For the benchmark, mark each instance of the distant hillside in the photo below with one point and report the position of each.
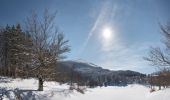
(91, 72)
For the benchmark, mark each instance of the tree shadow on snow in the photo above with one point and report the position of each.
(5, 80)
(27, 94)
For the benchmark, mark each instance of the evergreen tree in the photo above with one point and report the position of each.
(15, 48)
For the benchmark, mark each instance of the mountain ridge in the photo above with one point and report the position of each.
(89, 71)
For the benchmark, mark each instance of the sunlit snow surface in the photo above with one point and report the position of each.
(54, 91)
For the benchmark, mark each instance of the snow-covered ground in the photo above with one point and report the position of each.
(54, 91)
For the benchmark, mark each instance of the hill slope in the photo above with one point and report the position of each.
(89, 71)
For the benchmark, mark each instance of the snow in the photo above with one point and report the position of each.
(53, 91)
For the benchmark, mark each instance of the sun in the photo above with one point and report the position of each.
(107, 33)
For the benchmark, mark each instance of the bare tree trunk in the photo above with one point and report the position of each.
(159, 87)
(40, 85)
(9, 71)
(15, 72)
(152, 86)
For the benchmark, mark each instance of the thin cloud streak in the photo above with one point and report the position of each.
(98, 22)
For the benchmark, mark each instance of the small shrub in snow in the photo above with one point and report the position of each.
(81, 90)
(152, 90)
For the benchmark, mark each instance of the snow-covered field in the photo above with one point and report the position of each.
(54, 91)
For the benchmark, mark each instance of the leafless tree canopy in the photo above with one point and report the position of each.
(48, 45)
(160, 57)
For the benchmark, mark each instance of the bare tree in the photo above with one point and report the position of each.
(49, 45)
(160, 57)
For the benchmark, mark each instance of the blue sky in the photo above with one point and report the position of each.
(134, 26)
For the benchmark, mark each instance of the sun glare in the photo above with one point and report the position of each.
(107, 33)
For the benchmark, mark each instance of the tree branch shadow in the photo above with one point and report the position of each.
(31, 94)
(5, 80)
